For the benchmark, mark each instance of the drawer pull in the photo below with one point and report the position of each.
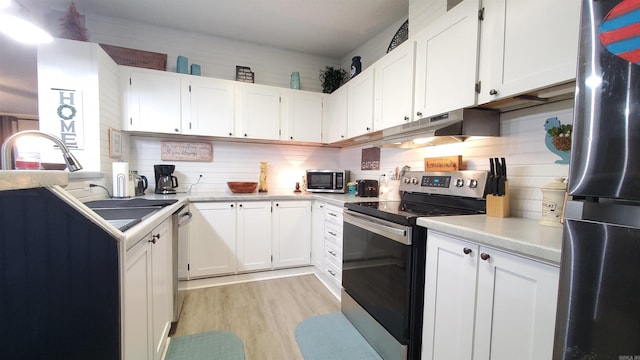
(332, 252)
(333, 214)
(332, 233)
(331, 272)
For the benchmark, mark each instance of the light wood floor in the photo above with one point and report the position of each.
(264, 314)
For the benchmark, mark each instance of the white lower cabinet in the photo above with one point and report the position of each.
(253, 248)
(329, 230)
(212, 234)
(317, 235)
(148, 307)
(482, 303)
(291, 241)
(235, 237)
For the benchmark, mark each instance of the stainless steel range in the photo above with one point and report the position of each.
(384, 256)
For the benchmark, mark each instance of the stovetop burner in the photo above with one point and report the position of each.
(430, 194)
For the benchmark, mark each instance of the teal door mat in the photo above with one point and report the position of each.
(332, 336)
(208, 345)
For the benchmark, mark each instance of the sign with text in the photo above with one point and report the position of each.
(444, 163)
(66, 105)
(186, 151)
(370, 159)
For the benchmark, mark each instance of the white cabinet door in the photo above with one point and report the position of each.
(258, 111)
(291, 233)
(317, 235)
(360, 96)
(486, 304)
(254, 235)
(137, 303)
(152, 100)
(162, 284)
(449, 298)
(301, 118)
(526, 45)
(336, 116)
(212, 236)
(394, 87)
(516, 307)
(208, 106)
(446, 61)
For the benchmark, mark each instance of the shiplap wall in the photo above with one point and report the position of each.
(217, 56)
(530, 164)
(235, 161)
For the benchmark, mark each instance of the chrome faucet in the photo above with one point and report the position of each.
(7, 159)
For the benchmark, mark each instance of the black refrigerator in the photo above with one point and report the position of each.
(598, 314)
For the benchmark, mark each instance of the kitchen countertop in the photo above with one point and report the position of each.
(522, 236)
(26, 179)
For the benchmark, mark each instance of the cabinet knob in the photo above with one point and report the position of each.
(231, 205)
(154, 238)
(368, 128)
(485, 256)
(419, 113)
(277, 204)
(493, 92)
(342, 136)
(466, 251)
(291, 137)
(245, 135)
(176, 130)
(240, 205)
(406, 118)
(230, 134)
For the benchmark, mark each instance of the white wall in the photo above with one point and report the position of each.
(530, 164)
(234, 161)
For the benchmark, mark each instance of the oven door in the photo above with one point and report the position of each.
(377, 270)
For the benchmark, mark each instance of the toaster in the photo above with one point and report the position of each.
(367, 188)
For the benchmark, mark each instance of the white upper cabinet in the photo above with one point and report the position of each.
(301, 116)
(335, 126)
(527, 45)
(360, 95)
(394, 75)
(208, 106)
(446, 61)
(257, 111)
(151, 100)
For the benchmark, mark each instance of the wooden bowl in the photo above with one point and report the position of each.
(241, 187)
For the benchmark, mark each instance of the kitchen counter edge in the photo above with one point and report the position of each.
(518, 235)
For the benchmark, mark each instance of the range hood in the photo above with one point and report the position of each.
(453, 126)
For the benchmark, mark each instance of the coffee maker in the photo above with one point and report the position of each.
(166, 183)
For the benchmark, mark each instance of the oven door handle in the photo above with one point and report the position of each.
(399, 233)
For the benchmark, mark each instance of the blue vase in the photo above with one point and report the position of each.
(295, 81)
(356, 66)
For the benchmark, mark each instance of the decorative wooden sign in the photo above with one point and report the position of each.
(370, 159)
(186, 151)
(445, 163)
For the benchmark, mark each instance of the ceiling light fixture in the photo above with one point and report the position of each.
(14, 24)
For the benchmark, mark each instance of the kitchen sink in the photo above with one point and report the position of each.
(125, 213)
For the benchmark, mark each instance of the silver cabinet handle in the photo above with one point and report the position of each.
(332, 252)
(332, 233)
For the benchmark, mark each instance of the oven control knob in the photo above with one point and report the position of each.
(473, 183)
(459, 182)
(414, 181)
(406, 180)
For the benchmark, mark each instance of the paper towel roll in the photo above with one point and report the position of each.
(120, 179)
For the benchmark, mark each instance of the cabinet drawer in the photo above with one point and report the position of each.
(332, 271)
(333, 214)
(333, 234)
(333, 253)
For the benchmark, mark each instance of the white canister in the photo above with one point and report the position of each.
(553, 202)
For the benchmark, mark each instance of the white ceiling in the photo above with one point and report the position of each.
(330, 28)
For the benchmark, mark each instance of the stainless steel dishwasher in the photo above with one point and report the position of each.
(181, 219)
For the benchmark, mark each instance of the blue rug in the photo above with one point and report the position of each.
(332, 336)
(210, 345)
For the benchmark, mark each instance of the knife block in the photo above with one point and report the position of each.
(498, 206)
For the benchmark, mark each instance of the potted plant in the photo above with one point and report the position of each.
(332, 78)
(561, 136)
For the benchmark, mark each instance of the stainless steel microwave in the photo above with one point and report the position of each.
(330, 181)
